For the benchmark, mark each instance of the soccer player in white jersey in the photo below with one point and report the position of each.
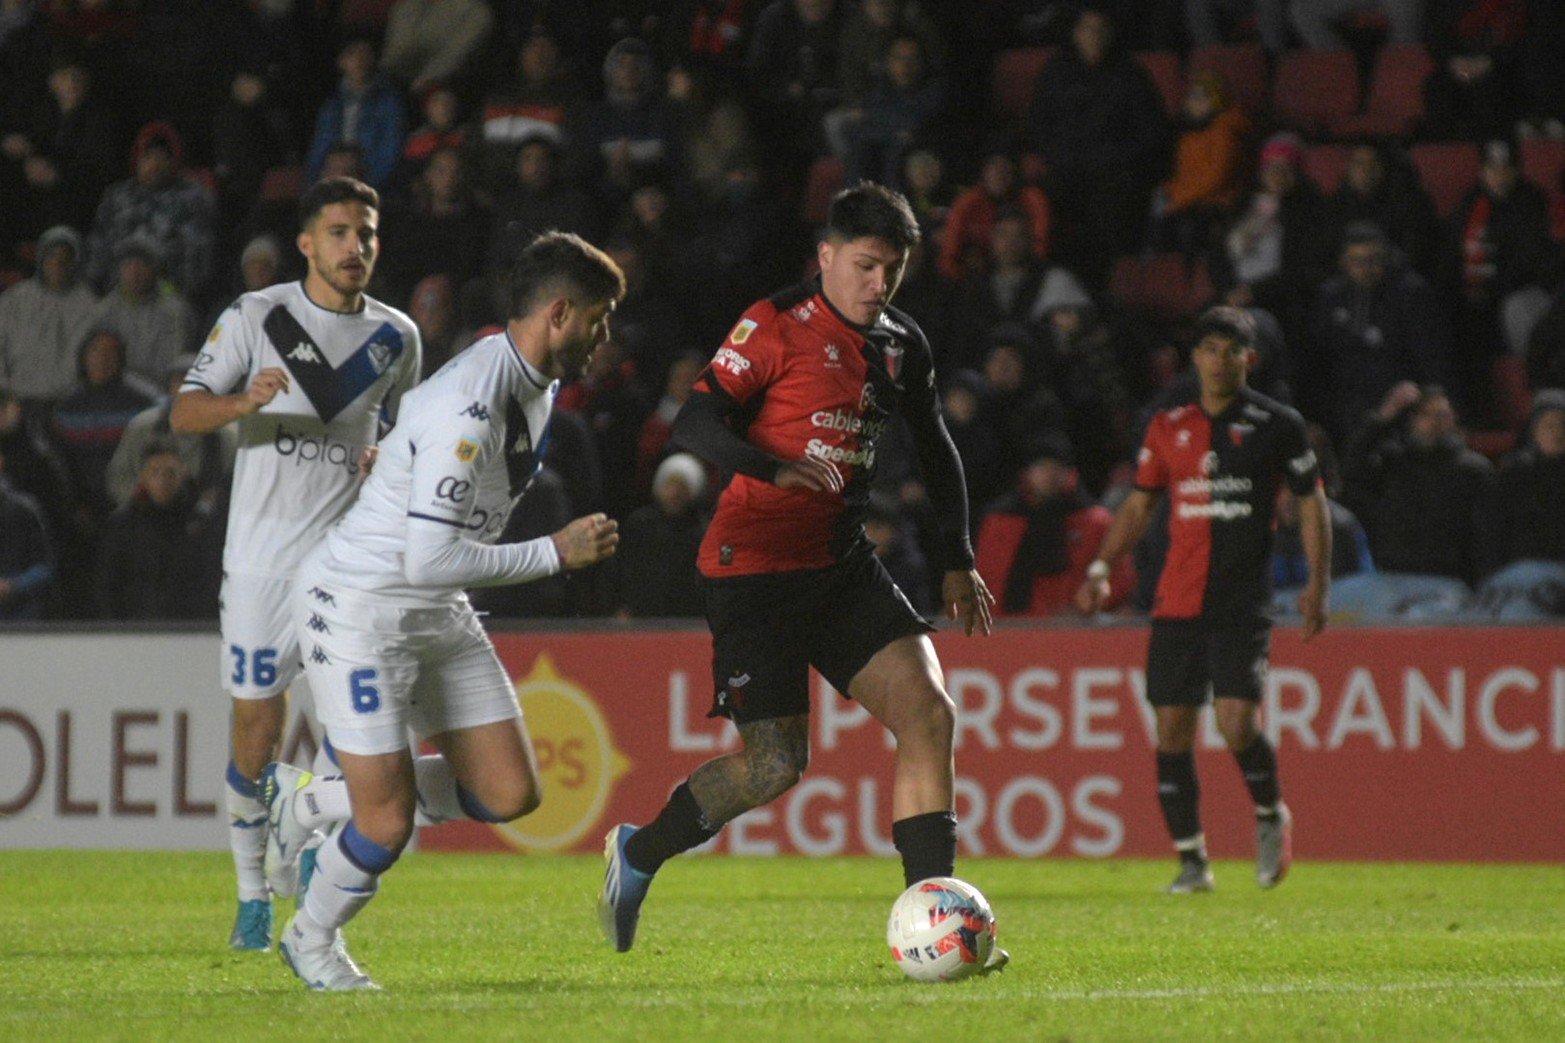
(389, 638)
(309, 370)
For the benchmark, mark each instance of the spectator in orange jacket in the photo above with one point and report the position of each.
(1034, 544)
(1210, 167)
(966, 244)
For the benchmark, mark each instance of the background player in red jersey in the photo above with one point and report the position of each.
(1220, 461)
(792, 407)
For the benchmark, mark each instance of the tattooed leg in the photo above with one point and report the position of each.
(774, 756)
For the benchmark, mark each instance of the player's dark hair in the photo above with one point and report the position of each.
(874, 211)
(1228, 322)
(331, 190)
(562, 264)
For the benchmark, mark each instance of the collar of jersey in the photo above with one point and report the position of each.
(364, 303)
(534, 376)
(828, 308)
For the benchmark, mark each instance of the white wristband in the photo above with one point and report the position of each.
(1099, 569)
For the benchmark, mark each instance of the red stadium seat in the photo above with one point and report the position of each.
(1395, 103)
(1011, 81)
(826, 175)
(282, 184)
(1543, 162)
(1243, 66)
(1448, 169)
(1167, 72)
(1325, 165)
(1314, 89)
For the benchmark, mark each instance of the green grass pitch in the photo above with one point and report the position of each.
(122, 945)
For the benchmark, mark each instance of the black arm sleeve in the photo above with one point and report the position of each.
(702, 428)
(938, 461)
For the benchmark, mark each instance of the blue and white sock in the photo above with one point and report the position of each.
(246, 833)
(347, 875)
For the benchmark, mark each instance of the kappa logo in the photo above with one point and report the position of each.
(324, 597)
(318, 624)
(833, 357)
(305, 352)
(478, 411)
(319, 656)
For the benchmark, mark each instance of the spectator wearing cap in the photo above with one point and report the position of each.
(1210, 165)
(1374, 324)
(149, 563)
(161, 202)
(1532, 486)
(1035, 543)
(970, 223)
(155, 321)
(632, 134)
(434, 41)
(208, 459)
(43, 321)
(658, 545)
(260, 264)
(364, 111)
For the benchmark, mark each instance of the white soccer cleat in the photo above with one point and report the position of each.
(324, 966)
(285, 834)
(1273, 847)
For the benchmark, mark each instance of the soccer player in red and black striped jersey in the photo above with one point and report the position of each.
(1220, 460)
(793, 407)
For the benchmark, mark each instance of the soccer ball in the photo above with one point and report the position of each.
(941, 929)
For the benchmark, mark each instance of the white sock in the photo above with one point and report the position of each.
(247, 840)
(322, 802)
(436, 785)
(337, 892)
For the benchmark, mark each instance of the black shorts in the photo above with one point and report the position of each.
(1187, 656)
(769, 629)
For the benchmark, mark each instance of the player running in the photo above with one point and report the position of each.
(309, 370)
(793, 406)
(390, 639)
(1220, 460)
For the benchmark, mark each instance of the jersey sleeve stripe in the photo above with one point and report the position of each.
(195, 383)
(442, 521)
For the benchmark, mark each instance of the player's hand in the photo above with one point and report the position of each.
(267, 385)
(1312, 606)
(1092, 595)
(809, 472)
(367, 457)
(968, 599)
(586, 541)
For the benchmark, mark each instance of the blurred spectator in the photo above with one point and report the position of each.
(33, 464)
(1545, 344)
(714, 130)
(56, 163)
(344, 159)
(1380, 186)
(1316, 20)
(88, 422)
(791, 69)
(434, 41)
(435, 232)
(1426, 500)
(659, 425)
(208, 459)
(364, 110)
(1478, 87)
(156, 323)
(26, 558)
(898, 112)
(658, 545)
(146, 565)
(1203, 18)
(43, 320)
(1018, 402)
(1210, 166)
(1100, 125)
(711, 31)
(869, 32)
(1496, 244)
(1532, 486)
(1349, 542)
(1005, 289)
(250, 135)
(432, 306)
(1375, 324)
(163, 203)
(631, 133)
(1277, 252)
(652, 327)
(1035, 543)
(608, 398)
(732, 255)
(966, 243)
(971, 423)
(896, 545)
(260, 264)
(535, 105)
(441, 128)
(923, 181)
(539, 200)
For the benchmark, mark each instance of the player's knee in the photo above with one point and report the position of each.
(772, 773)
(389, 826)
(929, 719)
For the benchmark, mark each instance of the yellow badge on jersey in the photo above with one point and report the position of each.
(217, 331)
(742, 331)
(466, 451)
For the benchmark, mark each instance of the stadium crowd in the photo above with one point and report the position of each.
(1384, 183)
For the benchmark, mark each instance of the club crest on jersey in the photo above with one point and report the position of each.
(742, 331)
(380, 355)
(1209, 463)
(891, 356)
(1239, 432)
(466, 451)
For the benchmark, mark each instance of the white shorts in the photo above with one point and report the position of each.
(260, 655)
(377, 670)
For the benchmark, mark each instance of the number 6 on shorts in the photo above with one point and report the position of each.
(366, 697)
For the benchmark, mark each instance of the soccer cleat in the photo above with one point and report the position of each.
(1273, 847)
(624, 889)
(997, 960)
(252, 926)
(285, 834)
(1193, 877)
(324, 966)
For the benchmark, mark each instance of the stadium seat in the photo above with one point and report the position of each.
(282, 184)
(1314, 89)
(1164, 286)
(1243, 65)
(826, 175)
(1325, 165)
(1011, 81)
(1395, 102)
(1543, 162)
(1167, 72)
(1448, 169)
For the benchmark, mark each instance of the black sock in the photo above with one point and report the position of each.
(1179, 792)
(678, 827)
(1258, 761)
(927, 844)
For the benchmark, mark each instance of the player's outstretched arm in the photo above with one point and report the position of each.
(1315, 534)
(966, 597)
(1130, 521)
(199, 412)
(586, 541)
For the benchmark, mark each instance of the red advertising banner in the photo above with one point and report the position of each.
(1437, 743)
